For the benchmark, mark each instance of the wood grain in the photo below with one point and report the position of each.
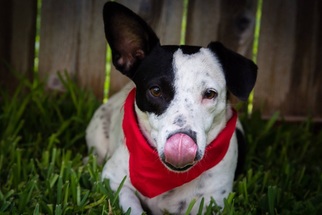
(72, 40)
(289, 59)
(202, 22)
(228, 21)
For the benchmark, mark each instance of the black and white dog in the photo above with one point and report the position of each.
(173, 133)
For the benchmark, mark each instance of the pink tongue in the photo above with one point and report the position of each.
(180, 150)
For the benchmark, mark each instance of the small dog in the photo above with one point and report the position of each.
(173, 134)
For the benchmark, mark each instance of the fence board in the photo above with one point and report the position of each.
(289, 59)
(237, 24)
(58, 44)
(202, 29)
(17, 30)
(168, 27)
(92, 51)
(165, 18)
(72, 40)
(229, 21)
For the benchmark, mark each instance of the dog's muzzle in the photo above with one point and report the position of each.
(180, 152)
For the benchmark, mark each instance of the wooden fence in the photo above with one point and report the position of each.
(72, 39)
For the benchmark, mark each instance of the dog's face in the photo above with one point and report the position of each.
(181, 90)
(181, 103)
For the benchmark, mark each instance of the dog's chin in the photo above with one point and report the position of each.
(178, 169)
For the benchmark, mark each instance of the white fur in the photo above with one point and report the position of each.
(193, 75)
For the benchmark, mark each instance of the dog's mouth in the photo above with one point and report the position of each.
(180, 152)
(178, 169)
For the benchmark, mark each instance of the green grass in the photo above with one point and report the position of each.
(42, 144)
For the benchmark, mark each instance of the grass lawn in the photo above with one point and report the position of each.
(42, 145)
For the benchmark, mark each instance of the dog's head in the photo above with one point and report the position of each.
(181, 98)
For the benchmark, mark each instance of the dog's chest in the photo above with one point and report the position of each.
(211, 184)
(177, 200)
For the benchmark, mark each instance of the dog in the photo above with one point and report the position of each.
(171, 133)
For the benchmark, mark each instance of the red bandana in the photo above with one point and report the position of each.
(147, 172)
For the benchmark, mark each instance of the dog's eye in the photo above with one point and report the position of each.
(155, 91)
(210, 94)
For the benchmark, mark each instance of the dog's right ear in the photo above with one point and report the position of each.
(240, 72)
(129, 37)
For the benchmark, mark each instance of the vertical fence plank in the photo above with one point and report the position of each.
(276, 45)
(237, 25)
(17, 30)
(164, 17)
(71, 40)
(92, 47)
(58, 40)
(202, 22)
(229, 21)
(168, 27)
(289, 59)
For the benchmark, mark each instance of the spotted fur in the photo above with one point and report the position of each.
(185, 76)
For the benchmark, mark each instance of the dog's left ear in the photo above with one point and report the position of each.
(131, 39)
(240, 72)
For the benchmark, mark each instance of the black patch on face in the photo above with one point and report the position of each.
(156, 70)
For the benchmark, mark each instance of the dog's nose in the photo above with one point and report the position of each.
(180, 151)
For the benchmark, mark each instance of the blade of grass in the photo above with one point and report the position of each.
(36, 211)
(191, 204)
(271, 194)
(118, 191)
(201, 206)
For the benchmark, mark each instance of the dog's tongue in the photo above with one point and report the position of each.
(180, 150)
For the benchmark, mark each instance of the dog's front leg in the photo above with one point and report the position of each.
(128, 199)
(115, 169)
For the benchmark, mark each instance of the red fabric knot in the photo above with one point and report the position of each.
(147, 172)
